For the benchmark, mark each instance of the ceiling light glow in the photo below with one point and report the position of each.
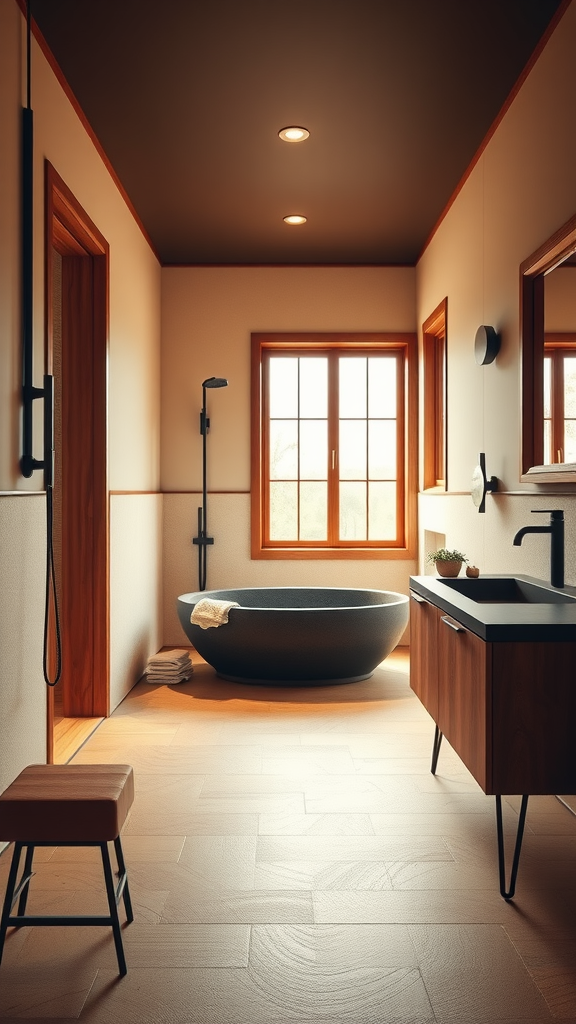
(293, 133)
(295, 218)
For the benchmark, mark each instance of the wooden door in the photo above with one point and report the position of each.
(82, 455)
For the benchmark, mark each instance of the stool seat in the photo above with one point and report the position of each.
(67, 803)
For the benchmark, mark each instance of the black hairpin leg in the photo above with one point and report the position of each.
(436, 750)
(516, 859)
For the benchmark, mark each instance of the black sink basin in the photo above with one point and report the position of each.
(506, 590)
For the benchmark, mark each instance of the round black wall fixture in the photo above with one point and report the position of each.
(486, 345)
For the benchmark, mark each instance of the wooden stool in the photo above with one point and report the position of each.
(67, 805)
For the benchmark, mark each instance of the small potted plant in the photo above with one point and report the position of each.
(448, 563)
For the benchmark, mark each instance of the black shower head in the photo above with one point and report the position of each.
(215, 382)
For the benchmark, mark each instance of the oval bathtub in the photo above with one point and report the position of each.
(298, 635)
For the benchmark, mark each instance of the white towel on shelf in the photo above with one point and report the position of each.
(210, 612)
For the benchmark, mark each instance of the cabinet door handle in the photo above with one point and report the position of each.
(417, 598)
(453, 625)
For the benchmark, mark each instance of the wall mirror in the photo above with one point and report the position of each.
(548, 351)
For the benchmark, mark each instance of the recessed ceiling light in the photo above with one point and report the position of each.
(294, 134)
(295, 218)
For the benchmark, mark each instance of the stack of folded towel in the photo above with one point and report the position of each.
(169, 667)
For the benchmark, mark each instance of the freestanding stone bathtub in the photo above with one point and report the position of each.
(298, 635)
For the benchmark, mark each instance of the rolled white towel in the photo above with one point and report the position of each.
(210, 612)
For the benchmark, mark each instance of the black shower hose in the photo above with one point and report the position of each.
(51, 588)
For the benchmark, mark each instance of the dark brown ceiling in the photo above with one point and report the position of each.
(187, 97)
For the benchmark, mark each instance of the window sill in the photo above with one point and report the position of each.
(334, 554)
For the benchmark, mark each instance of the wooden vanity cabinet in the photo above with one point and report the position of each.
(464, 692)
(423, 652)
(508, 709)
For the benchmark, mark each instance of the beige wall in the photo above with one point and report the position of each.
(208, 315)
(134, 401)
(522, 189)
(22, 689)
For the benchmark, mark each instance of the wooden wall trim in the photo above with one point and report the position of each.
(289, 266)
(162, 493)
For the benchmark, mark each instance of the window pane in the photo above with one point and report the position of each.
(283, 511)
(547, 442)
(569, 387)
(352, 386)
(352, 511)
(313, 511)
(352, 449)
(382, 449)
(313, 449)
(381, 511)
(547, 387)
(283, 386)
(314, 387)
(284, 450)
(382, 386)
(569, 441)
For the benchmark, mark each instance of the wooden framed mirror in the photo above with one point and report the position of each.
(548, 359)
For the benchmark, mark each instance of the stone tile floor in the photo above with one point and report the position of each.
(291, 859)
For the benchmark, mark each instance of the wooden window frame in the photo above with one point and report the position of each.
(434, 337)
(363, 343)
(556, 346)
(532, 273)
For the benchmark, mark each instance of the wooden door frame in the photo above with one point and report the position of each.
(85, 253)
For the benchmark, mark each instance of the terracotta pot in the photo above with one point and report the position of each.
(448, 568)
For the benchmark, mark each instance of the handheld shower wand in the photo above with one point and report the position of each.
(202, 540)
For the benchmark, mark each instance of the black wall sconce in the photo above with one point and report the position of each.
(202, 540)
(486, 345)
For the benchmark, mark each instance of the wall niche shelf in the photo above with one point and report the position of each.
(557, 473)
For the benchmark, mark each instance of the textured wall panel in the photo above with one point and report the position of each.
(22, 688)
(487, 539)
(135, 587)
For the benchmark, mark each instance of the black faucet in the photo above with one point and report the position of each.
(556, 531)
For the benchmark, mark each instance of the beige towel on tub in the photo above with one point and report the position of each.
(210, 612)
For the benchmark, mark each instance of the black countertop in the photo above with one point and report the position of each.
(506, 622)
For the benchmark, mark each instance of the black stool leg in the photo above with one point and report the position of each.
(115, 920)
(26, 875)
(123, 880)
(9, 897)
